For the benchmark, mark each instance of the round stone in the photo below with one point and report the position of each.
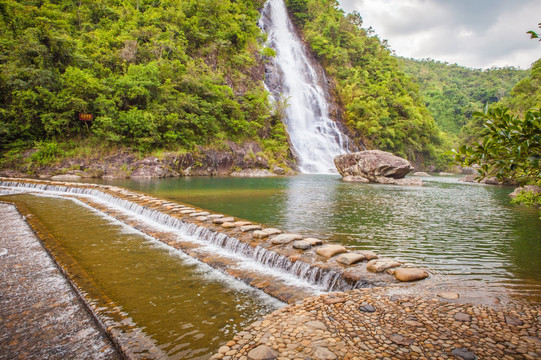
(410, 274)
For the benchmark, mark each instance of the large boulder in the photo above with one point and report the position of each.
(374, 165)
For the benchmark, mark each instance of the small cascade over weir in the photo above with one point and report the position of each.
(294, 274)
(292, 75)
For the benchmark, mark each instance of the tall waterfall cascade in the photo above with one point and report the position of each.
(291, 75)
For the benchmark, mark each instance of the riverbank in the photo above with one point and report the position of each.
(41, 315)
(380, 324)
(246, 159)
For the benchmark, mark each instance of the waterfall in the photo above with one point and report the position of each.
(315, 137)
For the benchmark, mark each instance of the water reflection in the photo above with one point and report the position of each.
(450, 227)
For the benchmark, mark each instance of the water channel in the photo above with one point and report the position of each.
(469, 231)
(177, 307)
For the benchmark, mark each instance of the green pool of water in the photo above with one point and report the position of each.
(186, 308)
(467, 230)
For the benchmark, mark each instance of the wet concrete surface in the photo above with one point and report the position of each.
(41, 316)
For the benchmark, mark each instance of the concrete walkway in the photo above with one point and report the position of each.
(40, 315)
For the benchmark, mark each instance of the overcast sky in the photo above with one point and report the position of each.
(472, 33)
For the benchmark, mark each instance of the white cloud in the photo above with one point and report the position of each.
(473, 33)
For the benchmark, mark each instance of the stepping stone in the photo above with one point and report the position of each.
(202, 213)
(187, 211)
(285, 238)
(228, 225)
(350, 258)
(266, 233)
(242, 223)
(223, 220)
(201, 218)
(250, 228)
(330, 250)
(410, 274)
(368, 255)
(302, 245)
(215, 216)
(380, 265)
(314, 241)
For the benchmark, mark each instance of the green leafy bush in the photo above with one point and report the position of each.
(510, 147)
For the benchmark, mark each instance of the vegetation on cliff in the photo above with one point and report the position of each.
(381, 104)
(154, 74)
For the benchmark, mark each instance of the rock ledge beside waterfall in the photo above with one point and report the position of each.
(375, 166)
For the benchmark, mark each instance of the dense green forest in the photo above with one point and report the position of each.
(179, 74)
(155, 74)
(453, 93)
(382, 105)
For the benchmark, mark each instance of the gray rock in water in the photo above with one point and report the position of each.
(314, 241)
(372, 164)
(302, 245)
(262, 352)
(530, 188)
(420, 173)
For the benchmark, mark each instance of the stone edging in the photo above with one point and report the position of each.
(348, 267)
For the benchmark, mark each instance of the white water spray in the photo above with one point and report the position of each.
(315, 138)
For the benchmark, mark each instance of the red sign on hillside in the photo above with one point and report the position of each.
(86, 117)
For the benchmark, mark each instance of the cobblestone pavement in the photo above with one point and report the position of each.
(373, 324)
(40, 315)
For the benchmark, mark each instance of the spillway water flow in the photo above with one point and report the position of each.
(298, 274)
(315, 137)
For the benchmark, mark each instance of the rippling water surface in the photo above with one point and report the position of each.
(450, 227)
(186, 309)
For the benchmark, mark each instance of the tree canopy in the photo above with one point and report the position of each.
(153, 73)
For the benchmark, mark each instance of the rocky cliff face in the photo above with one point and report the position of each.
(241, 160)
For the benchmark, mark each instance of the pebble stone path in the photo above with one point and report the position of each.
(373, 324)
(40, 315)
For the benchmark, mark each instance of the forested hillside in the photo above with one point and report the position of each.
(382, 105)
(452, 92)
(154, 74)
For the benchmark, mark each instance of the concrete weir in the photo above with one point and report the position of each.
(285, 266)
